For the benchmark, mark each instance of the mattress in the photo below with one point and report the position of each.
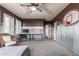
(13, 50)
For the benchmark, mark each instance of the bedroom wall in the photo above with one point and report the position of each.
(32, 22)
(35, 26)
(67, 36)
(41, 23)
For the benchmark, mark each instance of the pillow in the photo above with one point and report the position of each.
(8, 41)
(2, 43)
(7, 38)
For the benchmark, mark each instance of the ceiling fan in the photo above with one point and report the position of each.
(34, 6)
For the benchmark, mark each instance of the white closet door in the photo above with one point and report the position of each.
(76, 39)
(58, 35)
(55, 31)
(63, 39)
(69, 37)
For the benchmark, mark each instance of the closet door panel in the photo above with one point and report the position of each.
(76, 39)
(69, 37)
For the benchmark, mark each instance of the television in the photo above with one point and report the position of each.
(25, 31)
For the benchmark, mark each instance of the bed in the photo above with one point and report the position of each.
(15, 51)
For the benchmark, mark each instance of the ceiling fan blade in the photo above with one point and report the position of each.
(39, 9)
(44, 8)
(25, 5)
(34, 4)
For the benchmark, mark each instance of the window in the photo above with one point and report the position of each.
(12, 26)
(8, 24)
(18, 27)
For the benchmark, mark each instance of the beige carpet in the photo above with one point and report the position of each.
(46, 48)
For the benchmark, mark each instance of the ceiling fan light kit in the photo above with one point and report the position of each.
(33, 6)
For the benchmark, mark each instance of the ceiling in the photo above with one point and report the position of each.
(50, 10)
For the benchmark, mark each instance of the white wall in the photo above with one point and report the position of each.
(34, 29)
